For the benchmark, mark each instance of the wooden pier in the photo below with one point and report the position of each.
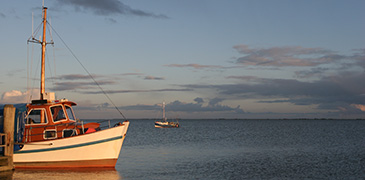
(7, 139)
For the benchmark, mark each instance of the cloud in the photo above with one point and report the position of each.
(2, 15)
(107, 8)
(90, 107)
(79, 81)
(215, 101)
(132, 74)
(135, 91)
(102, 106)
(313, 72)
(199, 100)
(143, 76)
(111, 20)
(359, 55)
(154, 78)
(327, 81)
(83, 83)
(66, 86)
(15, 96)
(285, 56)
(195, 66)
(352, 65)
(75, 77)
(198, 107)
(245, 78)
(330, 92)
(359, 106)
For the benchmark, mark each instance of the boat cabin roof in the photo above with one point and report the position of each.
(43, 112)
(49, 103)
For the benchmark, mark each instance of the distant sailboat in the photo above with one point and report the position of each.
(164, 123)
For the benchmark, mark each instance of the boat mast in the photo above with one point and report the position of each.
(163, 111)
(44, 43)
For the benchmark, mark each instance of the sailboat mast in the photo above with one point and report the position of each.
(163, 111)
(42, 88)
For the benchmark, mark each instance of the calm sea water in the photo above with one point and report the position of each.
(234, 149)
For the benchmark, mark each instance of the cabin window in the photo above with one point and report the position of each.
(58, 113)
(50, 134)
(69, 132)
(37, 116)
(69, 112)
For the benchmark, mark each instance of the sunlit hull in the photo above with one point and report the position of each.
(161, 124)
(99, 149)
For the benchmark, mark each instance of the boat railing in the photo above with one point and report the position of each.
(104, 124)
(55, 125)
(74, 125)
(107, 123)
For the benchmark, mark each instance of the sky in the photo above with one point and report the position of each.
(206, 59)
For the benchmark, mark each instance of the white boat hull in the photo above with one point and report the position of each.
(160, 124)
(98, 149)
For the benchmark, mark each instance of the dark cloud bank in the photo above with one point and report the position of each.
(107, 8)
(328, 80)
(178, 106)
(324, 79)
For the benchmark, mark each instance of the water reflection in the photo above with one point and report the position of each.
(111, 174)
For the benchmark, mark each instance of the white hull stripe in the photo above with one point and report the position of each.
(69, 147)
(164, 125)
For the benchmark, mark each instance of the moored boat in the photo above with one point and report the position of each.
(54, 139)
(50, 136)
(164, 123)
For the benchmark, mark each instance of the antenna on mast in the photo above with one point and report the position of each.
(32, 24)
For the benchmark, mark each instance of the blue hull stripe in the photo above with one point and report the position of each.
(69, 147)
(163, 125)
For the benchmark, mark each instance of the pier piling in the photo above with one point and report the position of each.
(6, 161)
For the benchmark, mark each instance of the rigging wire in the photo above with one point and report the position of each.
(50, 72)
(28, 92)
(34, 40)
(73, 54)
(54, 55)
(48, 59)
(30, 74)
(36, 72)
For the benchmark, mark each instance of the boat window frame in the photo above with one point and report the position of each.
(63, 109)
(45, 115)
(72, 113)
(50, 130)
(74, 131)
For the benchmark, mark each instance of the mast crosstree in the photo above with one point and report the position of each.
(43, 42)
